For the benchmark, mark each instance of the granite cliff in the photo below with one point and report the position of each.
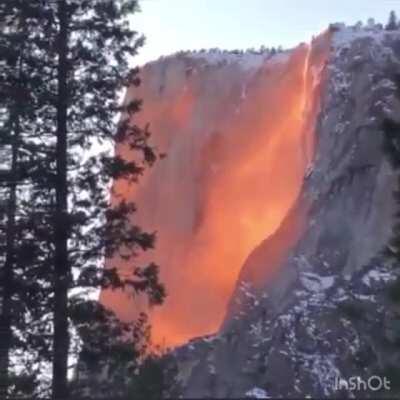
(306, 300)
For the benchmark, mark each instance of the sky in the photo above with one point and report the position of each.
(173, 25)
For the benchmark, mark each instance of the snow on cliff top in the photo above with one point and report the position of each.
(344, 35)
(247, 60)
(253, 59)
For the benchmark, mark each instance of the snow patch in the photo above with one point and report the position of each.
(257, 393)
(324, 369)
(347, 34)
(376, 276)
(316, 283)
(247, 60)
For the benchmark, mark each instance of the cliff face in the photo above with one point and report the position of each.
(238, 133)
(325, 314)
(272, 208)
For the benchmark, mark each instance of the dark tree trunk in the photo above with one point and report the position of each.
(7, 272)
(62, 267)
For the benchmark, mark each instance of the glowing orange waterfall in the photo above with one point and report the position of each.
(238, 143)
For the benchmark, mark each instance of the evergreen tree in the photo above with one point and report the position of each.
(10, 133)
(93, 46)
(19, 91)
(392, 23)
(109, 352)
(150, 381)
(77, 65)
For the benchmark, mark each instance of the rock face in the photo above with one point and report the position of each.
(238, 131)
(325, 315)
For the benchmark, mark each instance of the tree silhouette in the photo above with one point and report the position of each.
(392, 23)
(76, 64)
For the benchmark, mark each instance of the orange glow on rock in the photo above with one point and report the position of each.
(238, 145)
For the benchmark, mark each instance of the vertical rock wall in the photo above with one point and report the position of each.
(238, 133)
(325, 315)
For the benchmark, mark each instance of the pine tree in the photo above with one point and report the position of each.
(151, 380)
(78, 63)
(93, 45)
(10, 129)
(17, 77)
(392, 23)
(62, 268)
